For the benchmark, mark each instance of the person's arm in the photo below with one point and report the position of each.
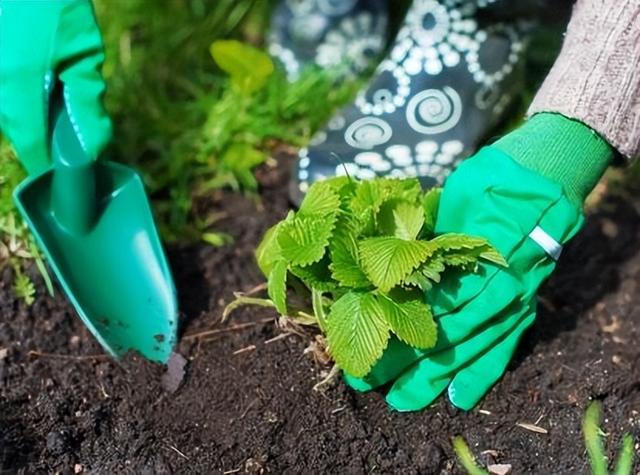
(525, 194)
(596, 77)
(588, 107)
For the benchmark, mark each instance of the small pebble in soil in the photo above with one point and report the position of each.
(499, 469)
(58, 442)
(74, 341)
(254, 466)
(172, 379)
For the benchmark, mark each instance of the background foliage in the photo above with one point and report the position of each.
(180, 121)
(178, 117)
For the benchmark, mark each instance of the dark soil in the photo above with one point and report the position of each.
(64, 410)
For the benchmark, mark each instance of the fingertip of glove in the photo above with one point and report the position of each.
(357, 384)
(398, 402)
(459, 397)
(407, 399)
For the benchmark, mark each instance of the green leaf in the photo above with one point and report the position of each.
(465, 260)
(240, 159)
(277, 286)
(428, 273)
(387, 261)
(400, 219)
(430, 204)
(408, 220)
(463, 251)
(268, 251)
(410, 318)
(459, 250)
(217, 239)
(322, 198)
(416, 279)
(303, 239)
(357, 332)
(407, 189)
(491, 254)
(345, 187)
(345, 260)
(372, 194)
(455, 241)
(433, 268)
(24, 288)
(316, 275)
(247, 66)
(366, 203)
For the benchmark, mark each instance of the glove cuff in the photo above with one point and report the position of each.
(561, 149)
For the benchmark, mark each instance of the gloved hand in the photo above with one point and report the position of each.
(525, 195)
(43, 42)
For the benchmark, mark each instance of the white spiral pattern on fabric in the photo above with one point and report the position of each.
(368, 132)
(434, 111)
(388, 99)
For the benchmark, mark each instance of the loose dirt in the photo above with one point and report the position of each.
(63, 409)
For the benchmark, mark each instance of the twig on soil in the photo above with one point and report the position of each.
(532, 427)
(233, 328)
(282, 336)
(256, 289)
(178, 452)
(41, 354)
(229, 472)
(287, 325)
(104, 391)
(244, 350)
(246, 411)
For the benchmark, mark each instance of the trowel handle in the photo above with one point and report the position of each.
(73, 188)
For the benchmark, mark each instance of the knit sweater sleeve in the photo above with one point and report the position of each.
(596, 77)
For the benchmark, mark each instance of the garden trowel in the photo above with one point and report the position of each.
(93, 222)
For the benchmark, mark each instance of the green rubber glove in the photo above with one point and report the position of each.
(43, 42)
(527, 216)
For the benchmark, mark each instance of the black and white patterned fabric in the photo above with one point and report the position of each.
(347, 36)
(443, 86)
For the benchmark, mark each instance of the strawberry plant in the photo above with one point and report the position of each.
(363, 254)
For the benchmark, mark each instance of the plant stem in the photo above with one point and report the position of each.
(466, 458)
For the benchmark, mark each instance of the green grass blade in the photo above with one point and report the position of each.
(624, 466)
(42, 268)
(466, 458)
(593, 441)
(318, 308)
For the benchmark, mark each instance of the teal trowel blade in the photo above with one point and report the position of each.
(115, 274)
